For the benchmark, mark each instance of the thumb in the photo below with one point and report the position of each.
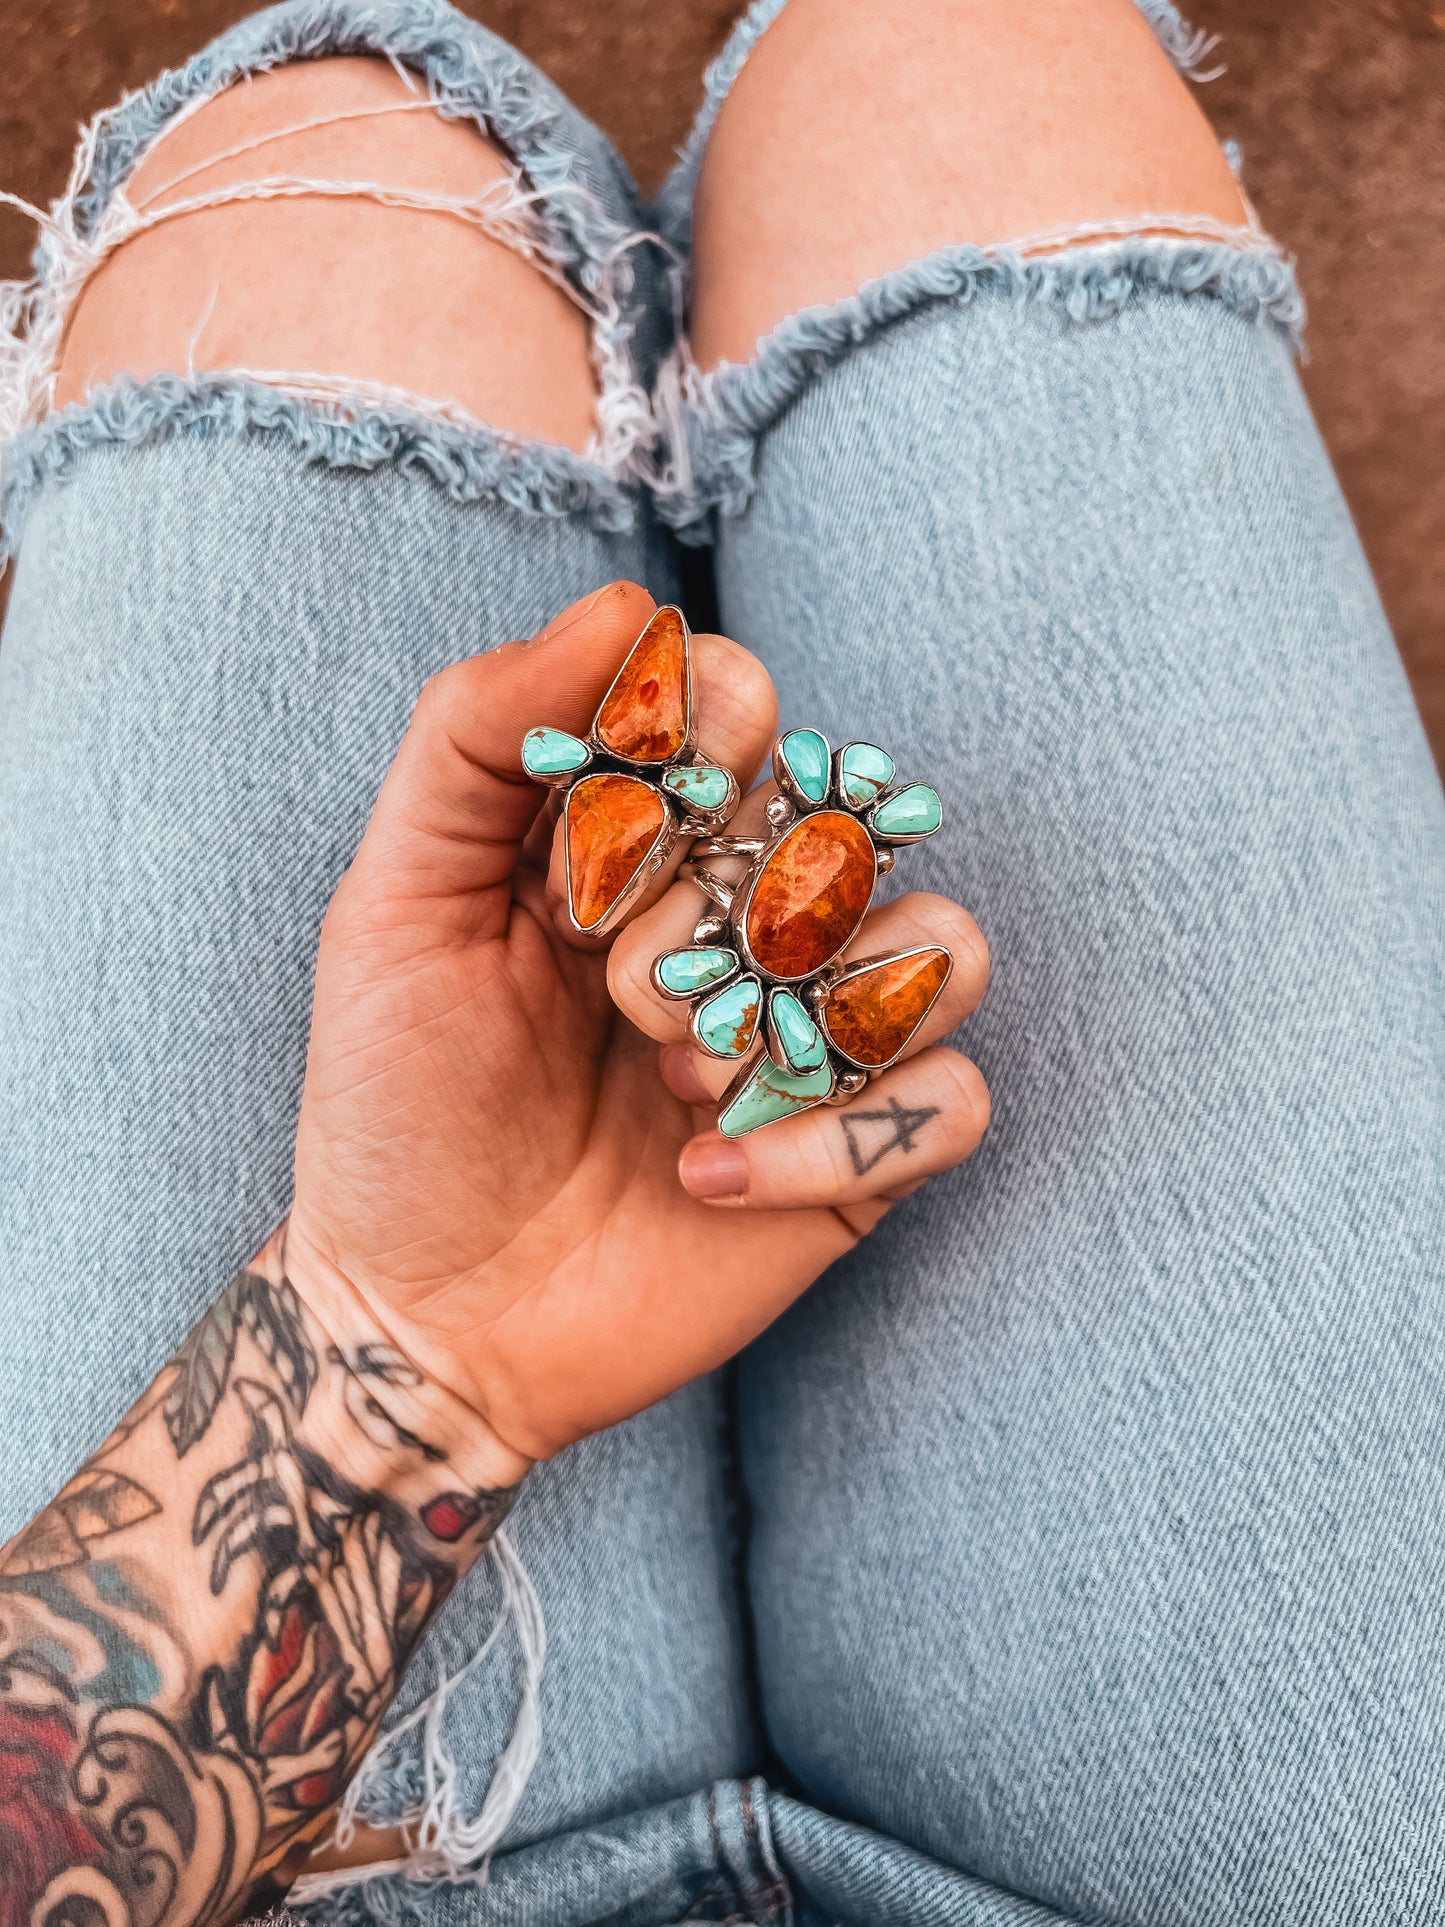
(451, 817)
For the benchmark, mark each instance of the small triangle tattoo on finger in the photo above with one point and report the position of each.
(904, 1126)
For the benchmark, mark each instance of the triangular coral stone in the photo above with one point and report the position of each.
(870, 1016)
(612, 824)
(644, 716)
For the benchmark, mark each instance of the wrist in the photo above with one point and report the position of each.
(387, 1394)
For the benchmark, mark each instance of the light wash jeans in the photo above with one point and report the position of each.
(1074, 1551)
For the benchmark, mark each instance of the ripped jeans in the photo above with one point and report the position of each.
(1072, 1551)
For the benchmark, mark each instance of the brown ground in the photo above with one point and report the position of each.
(1339, 105)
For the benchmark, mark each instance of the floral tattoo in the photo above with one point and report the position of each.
(201, 1633)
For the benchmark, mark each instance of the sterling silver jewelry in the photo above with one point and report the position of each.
(763, 967)
(635, 783)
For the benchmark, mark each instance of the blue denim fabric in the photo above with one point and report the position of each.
(224, 607)
(1093, 1566)
(1102, 1474)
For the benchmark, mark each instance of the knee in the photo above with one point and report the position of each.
(856, 139)
(357, 279)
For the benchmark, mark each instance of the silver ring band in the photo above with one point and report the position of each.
(710, 885)
(729, 846)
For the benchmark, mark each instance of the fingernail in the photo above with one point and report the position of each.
(568, 619)
(714, 1168)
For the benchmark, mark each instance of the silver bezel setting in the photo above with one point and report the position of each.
(858, 969)
(681, 820)
(743, 895)
(658, 851)
(704, 997)
(706, 990)
(689, 742)
(723, 924)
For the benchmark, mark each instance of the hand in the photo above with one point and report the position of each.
(488, 1153)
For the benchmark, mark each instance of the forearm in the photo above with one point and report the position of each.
(200, 1634)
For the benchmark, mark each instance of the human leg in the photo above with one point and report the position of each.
(1089, 1563)
(295, 493)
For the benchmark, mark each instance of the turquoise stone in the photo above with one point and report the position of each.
(806, 755)
(552, 752)
(728, 1022)
(863, 771)
(704, 789)
(915, 811)
(685, 971)
(796, 1038)
(772, 1093)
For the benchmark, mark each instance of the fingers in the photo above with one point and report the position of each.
(456, 803)
(912, 920)
(922, 1117)
(737, 712)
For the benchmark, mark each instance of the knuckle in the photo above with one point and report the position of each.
(441, 697)
(969, 1104)
(740, 690)
(624, 974)
(826, 1164)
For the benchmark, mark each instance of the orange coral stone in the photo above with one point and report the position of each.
(644, 717)
(811, 895)
(612, 824)
(871, 1017)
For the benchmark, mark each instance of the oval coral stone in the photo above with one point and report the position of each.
(871, 1017)
(612, 824)
(811, 894)
(643, 717)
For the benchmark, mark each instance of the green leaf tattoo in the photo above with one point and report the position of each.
(272, 1315)
(204, 1365)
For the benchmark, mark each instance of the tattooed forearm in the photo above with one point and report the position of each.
(871, 1135)
(200, 1634)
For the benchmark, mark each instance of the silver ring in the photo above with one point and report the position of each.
(710, 885)
(636, 783)
(765, 968)
(729, 846)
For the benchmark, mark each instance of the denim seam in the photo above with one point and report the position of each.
(469, 75)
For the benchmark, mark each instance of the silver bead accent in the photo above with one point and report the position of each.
(849, 1084)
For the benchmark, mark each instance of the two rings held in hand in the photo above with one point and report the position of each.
(763, 974)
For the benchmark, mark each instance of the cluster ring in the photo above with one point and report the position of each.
(764, 977)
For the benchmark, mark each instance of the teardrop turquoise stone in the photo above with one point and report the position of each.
(684, 971)
(915, 811)
(728, 1021)
(705, 789)
(772, 1093)
(797, 1037)
(806, 755)
(863, 770)
(552, 752)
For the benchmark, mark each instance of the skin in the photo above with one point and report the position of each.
(493, 1251)
(410, 299)
(858, 138)
(460, 1027)
(500, 1121)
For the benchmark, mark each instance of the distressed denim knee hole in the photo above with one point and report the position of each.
(710, 423)
(568, 206)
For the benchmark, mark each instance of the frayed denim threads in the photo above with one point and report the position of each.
(469, 463)
(572, 209)
(711, 423)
